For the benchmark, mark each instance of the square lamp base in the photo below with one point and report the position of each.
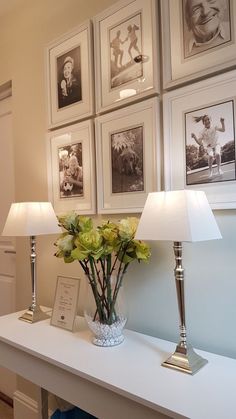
(185, 359)
(33, 315)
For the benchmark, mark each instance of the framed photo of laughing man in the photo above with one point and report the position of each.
(198, 39)
(199, 139)
(128, 157)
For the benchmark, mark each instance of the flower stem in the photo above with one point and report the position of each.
(117, 287)
(93, 283)
(109, 290)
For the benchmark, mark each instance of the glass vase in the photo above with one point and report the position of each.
(105, 316)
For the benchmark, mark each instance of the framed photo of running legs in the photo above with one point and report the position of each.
(71, 168)
(70, 89)
(128, 157)
(199, 139)
(126, 53)
(198, 39)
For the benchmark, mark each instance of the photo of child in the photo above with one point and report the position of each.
(70, 170)
(210, 144)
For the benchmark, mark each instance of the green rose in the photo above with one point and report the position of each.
(134, 250)
(85, 223)
(69, 221)
(142, 250)
(65, 243)
(127, 228)
(74, 223)
(88, 244)
(109, 232)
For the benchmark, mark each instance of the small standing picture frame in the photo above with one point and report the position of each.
(126, 59)
(65, 302)
(70, 77)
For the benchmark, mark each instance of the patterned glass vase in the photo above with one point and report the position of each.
(105, 312)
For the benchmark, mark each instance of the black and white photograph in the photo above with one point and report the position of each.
(127, 160)
(210, 144)
(126, 47)
(206, 25)
(128, 157)
(69, 78)
(70, 170)
(126, 51)
(70, 87)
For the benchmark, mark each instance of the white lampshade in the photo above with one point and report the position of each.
(177, 216)
(31, 219)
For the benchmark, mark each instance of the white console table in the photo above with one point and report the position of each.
(124, 381)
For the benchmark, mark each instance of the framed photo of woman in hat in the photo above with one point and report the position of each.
(69, 77)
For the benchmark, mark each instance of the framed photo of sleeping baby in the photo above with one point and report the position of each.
(71, 169)
(198, 39)
(199, 139)
(126, 59)
(128, 157)
(69, 77)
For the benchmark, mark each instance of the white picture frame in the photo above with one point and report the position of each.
(122, 182)
(70, 98)
(78, 140)
(65, 302)
(126, 59)
(210, 97)
(180, 67)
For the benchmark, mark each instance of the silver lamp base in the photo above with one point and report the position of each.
(185, 359)
(33, 315)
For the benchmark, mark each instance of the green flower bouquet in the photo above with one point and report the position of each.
(104, 253)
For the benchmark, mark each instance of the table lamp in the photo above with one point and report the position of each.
(179, 216)
(31, 219)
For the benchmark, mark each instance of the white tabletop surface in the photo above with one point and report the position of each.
(132, 369)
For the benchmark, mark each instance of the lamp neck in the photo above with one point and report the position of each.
(179, 271)
(32, 249)
(33, 269)
(179, 282)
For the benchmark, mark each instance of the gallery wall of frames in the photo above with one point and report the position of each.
(130, 96)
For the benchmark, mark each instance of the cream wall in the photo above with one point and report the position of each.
(150, 291)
